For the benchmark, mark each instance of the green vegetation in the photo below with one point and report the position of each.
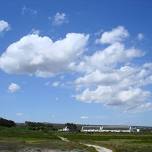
(118, 142)
(15, 138)
(7, 123)
(43, 135)
(39, 126)
(22, 133)
(72, 127)
(18, 137)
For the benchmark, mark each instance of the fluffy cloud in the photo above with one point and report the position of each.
(110, 76)
(4, 26)
(40, 56)
(116, 35)
(56, 83)
(13, 87)
(108, 58)
(131, 98)
(119, 87)
(122, 77)
(59, 19)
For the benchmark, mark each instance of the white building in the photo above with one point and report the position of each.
(65, 129)
(116, 128)
(91, 128)
(107, 128)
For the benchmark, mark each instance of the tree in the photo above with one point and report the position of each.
(72, 127)
(7, 123)
(39, 126)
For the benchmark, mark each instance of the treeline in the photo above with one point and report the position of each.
(46, 126)
(39, 126)
(7, 123)
(72, 127)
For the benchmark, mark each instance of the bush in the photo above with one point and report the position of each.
(39, 126)
(7, 123)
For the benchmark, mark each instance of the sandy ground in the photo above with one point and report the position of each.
(99, 148)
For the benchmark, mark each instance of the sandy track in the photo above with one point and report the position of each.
(99, 148)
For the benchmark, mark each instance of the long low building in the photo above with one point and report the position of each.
(109, 128)
(91, 128)
(116, 128)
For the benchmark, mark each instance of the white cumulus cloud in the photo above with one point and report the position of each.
(56, 83)
(117, 34)
(40, 56)
(130, 98)
(108, 58)
(123, 86)
(13, 87)
(59, 19)
(4, 26)
(111, 77)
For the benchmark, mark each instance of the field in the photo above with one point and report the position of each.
(118, 142)
(17, 138)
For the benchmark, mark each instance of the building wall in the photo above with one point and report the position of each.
(101, 129)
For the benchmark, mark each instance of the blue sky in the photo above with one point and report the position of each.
(84, 61)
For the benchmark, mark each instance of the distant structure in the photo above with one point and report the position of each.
(91, 128)
(109, 128)
(70, 127)
(65, 129)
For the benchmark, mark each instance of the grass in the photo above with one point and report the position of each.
(25, 134)
(118, 142)
(17, 138)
